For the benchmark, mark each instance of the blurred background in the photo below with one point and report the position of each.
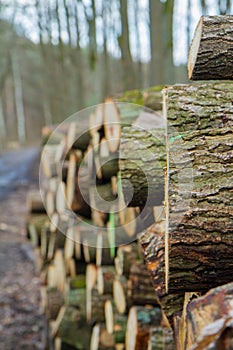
(59, 56)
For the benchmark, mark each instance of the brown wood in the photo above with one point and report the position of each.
(140, 321)
(105, 278)
(101, 339)
(140, 288)
(161, 338)
(126, 256)
(196, 240)
(145, 174)
(120, 294)
(210, 56)
(209, 320)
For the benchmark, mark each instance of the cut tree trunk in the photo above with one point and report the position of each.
(142, 177)
(140, 288)
(140, 321)
(210, 56)
(193, 247)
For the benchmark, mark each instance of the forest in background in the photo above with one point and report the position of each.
(59, 56)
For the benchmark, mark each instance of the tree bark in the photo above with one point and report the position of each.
(210, 56)
(146, 173)
(197, 232)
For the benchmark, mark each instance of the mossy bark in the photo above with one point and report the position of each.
(210, 56)
(142, 162)
(199, 197)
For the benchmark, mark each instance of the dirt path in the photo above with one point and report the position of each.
(21, 323)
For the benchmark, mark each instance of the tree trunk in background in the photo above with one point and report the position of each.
(189, 20)
(156, 43)
(224, 6)
(139, 76)
(2, 122)
(203, 7)
(167, 21)
(124, 42)
(78, 60)
(44, 85)
(105, 61)
(18, 90)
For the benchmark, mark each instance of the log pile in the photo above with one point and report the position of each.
(165, 178)
(94, 279)
(191, 250)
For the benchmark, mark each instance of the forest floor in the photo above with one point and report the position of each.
(22, 326)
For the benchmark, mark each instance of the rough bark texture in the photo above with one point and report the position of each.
(200, 194)
(210, 56)
(142, 159)
(140, 289)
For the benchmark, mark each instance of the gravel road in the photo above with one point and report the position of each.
(21, 322)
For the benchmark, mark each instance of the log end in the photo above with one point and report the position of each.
(194, 48)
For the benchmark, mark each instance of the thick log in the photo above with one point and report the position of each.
(194, 107)
(105, 278)
(96, 305)
(150, 98)
(210, 56)
(142, 177)
(101, 339)
(140, 288)
(199, 194)
(34, 203)
(73, 329)
(140, 321)
(52, 300)
(126, 256)
(120, 294)
(161, 339)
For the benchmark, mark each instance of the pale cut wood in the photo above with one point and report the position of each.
(140, 321)
(101, 339)
(70, 183)
(71, 134)
(120, 294)
(105, 278)
(91, 276)
(112, 126)
(51, 276)
(109, 316)
(56, 324)
(69, 244)
(50, 203)
(60, 269)
(61, 203)
(210, 56)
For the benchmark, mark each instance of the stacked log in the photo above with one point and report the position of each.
(92, 274)
(172, 170)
